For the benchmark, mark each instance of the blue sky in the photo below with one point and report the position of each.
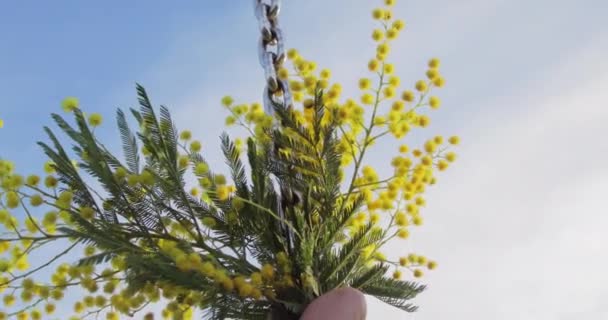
(525, 89)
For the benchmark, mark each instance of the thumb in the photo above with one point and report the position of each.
(339, 304)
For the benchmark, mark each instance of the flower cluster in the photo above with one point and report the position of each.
(228, 243)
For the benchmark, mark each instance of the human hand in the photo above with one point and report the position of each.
(339, 304)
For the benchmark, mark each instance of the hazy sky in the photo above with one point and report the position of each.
(518, 225)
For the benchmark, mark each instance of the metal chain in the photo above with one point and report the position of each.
(271, 52)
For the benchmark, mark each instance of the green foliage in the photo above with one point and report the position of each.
(306, 194)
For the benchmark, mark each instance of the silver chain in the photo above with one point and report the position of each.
(271, 52)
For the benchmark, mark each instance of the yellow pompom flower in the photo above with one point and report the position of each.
(421, 86)
(450, 156)
(401, 219)
(430, 146)
(227, 101)
(245, 290)
(378, 13)
(283, 73)
(434, 102)
(389, 2)
(4, 217)
(267, 272)
(434, 63)
(292, 54)
(439, 82)
(201, 168)
(36, 314)
(209, 222)
(420, 201)
(49, 308)
(296, 85)
(230, 120)
(12, 199)
(397, 275)
(432, 74)
(389, 92)
(185, 135)
(195, 146)
(87, 213)
(26, 295)
(389, 68)
(424, 121)
(182, 162)
(36, 200)
(403, 148)
(391, 34)
(373, 65)
(383, 49)
(394, 81)
(454, 140)
(22, 264)
(411, 208)
(418, 273)
(9, 300)
(50, 182)
(387, 15)
(69, 104)
(27, 284)
(78, 307)
(379, 120)
(431, 265)
(89, 301)
(399, 24)
(89, 251)
(100, 301)
(66, 197)
(377, 35)
(1, 123)
(408, 96)
(325, 74)
(220, 179)
(223, 192)
(95, 119)
(15, 181)
(49, 167)
(120, 173)
(32, 180)
(298, 96)
(367, 99)
(256, 279)
(112, 316)
(442, 165)
(365, 84)
(427, 161)
(403, 233)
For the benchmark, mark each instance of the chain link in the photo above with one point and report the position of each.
(271, 53)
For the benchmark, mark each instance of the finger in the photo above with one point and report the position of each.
(339, 304)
